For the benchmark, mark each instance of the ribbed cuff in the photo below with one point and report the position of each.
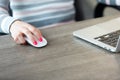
(6, 23)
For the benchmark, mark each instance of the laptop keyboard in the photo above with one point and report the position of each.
(110, 39)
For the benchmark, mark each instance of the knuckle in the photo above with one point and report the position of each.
(23, 42)
(34, 30)
(26, 31)
(16, 39)
(18, 35)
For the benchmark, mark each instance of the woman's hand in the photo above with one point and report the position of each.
(20, 29)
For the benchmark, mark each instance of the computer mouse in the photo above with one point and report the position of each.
(39, 44)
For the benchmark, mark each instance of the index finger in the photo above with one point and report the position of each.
(35, 32)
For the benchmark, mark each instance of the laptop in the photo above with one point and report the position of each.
(105, 35)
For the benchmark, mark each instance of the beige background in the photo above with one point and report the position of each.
(88, 9)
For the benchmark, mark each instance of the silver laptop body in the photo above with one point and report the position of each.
(105, 35)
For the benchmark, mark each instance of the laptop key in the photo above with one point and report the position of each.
(110, 39)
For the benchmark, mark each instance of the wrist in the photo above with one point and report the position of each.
(12, 24)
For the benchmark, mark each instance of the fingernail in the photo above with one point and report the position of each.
(35, 42)
(41, 39)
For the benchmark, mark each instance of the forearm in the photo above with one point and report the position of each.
(5, 19)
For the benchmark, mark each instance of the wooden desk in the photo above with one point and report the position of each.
(64, 58)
